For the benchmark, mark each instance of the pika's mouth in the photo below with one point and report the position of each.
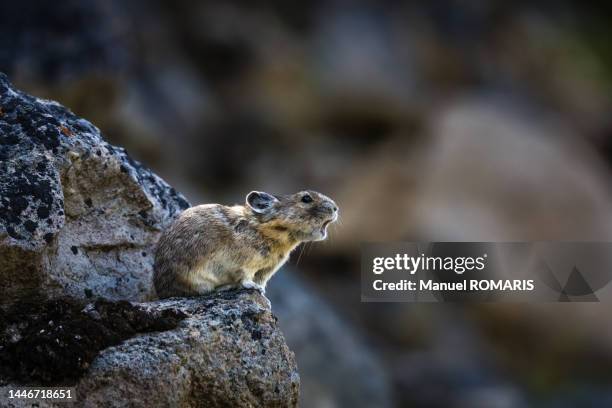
(324, 226)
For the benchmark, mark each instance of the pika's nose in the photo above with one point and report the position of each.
(333, 207)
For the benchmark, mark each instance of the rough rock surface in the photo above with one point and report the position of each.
(78, 216)
(55, 342)
(227, 352)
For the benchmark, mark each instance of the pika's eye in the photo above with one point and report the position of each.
(306, 198)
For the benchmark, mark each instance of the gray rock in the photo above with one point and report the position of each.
(78, 216)
(228, 352)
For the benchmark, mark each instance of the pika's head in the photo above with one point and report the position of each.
(305, 215)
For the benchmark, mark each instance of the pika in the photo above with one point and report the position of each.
(215, 247)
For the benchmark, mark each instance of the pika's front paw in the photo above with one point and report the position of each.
(259, 288)
(253, 285)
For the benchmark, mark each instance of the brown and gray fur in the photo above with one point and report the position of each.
(211, 246)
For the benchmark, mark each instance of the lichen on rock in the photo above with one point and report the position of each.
(54, 343)
(78, 216)
(219, 350)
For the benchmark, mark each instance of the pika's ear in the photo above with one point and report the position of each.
(260, 202)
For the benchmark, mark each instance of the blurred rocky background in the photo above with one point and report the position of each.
(446, 120)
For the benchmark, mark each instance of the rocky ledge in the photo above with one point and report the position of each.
(222, 350)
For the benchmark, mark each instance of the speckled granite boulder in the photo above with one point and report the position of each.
(227, 351)
(78, 216)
